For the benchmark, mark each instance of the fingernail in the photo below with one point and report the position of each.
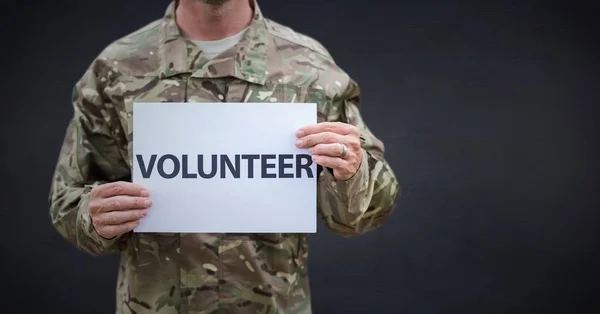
(145, 193)
(147, 203)
(299, 133)
(299, 143)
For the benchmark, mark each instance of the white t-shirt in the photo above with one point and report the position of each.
(212, 48)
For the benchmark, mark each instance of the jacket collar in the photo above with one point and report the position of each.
(246, 61)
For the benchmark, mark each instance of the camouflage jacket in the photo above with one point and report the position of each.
(210, 273)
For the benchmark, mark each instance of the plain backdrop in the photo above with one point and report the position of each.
(487, 110)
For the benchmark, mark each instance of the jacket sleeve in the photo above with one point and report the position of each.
(89, 156)
(365, 201)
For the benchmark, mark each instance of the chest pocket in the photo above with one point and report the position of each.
(276, 93)
(285, 93)
(280, 93)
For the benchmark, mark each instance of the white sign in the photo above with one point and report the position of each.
(225, 167)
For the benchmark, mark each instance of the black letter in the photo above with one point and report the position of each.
(283, 166)
(146, 171)
(161, 166)
(184, 166)
(300, 166)
(234, 171)
(213, 169)
(264, 173)
(251, 159)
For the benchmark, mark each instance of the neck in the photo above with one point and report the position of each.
(198, 20)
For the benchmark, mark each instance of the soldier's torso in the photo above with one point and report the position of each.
(202, 273)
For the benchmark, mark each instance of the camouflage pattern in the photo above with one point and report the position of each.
(210, 273)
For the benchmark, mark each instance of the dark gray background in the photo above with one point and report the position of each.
(487, 110)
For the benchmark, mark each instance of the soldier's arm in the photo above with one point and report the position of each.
(89, 156)
(365, 201)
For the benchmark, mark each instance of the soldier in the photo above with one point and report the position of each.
(211, 51)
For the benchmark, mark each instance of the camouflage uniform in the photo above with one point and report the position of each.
(210, 273)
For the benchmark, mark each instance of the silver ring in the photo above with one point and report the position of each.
(344, 151)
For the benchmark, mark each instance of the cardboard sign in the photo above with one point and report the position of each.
(225, 167)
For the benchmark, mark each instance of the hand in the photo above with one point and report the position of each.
(333, 144)
(116, 208)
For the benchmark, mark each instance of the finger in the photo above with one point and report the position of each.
(118, 203)
(334, 127)
(333, 150)
(330, 162)
(111, 231)
(120, 217)
(119, 188)
(319, 138)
